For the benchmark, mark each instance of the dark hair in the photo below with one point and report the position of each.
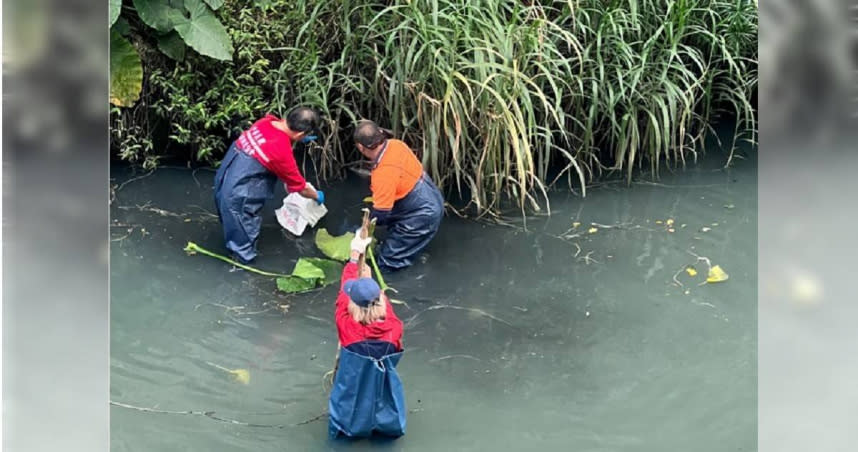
(302, 119)
(370, 135)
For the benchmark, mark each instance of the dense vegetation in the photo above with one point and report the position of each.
(493, 94)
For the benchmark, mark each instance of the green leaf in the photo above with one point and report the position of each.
(121, 26)
(172, 45)
(126, 71)
(338, 248)
(158, 14)
(332, 270)
(203, 32)
(295, 284)
(113, 8)
(306, 270)
(215, 4)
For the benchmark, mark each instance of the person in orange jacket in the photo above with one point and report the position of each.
(404, 197)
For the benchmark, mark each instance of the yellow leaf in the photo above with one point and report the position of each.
(576, 224)
(368, 199)
(658, 222)
(592, 230)
(716, 274)
(241, 375)
(691, 271)
(670, 221)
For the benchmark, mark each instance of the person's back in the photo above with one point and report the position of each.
(367, 397)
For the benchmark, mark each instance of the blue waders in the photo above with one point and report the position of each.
(412, 224)
(242, 185)
(367, 397)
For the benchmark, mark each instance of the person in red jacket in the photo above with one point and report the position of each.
(367, 397)
(251, 167)
(363, 312)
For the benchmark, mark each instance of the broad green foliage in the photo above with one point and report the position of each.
(295, 284)
(204, 32)
(158, 14)
(215, 4)
(113, 8)
(332, 270)
(126, 72)
(307, 270)
(172, 45)
(195, 22)
(310, 272)
(337, 248)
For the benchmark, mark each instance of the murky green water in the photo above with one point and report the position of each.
(589, 354)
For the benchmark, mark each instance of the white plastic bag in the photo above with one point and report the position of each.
(297, 212)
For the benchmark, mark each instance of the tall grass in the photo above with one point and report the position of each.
(494, 94)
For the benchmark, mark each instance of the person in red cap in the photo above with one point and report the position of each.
(367, 397)
(249, 171)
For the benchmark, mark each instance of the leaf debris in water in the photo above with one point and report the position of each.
(691, 271)
(592, 230)
(716, 274)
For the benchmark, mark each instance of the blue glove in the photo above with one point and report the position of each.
(320, 198)
(309, 138)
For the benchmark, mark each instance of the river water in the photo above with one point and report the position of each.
(544, 339)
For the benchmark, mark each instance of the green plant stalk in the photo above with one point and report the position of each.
(380, 278)
(192, 248)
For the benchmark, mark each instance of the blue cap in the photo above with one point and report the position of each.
(362, 291)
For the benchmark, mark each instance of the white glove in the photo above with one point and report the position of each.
(358, 244)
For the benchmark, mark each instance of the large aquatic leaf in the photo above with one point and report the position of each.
(172, 45)
(332, 270)
(338, 248)
(126, 71)
(294, 284)
(158, 14)
(113, 8)
(215, 4)
(307, 270)
(204, 32)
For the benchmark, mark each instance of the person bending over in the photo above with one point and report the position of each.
(404, 197)
(248, 172)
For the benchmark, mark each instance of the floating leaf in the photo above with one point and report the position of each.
(729, 206)
(658, 222)
(338, 248)
(716, 274)
(592, 230)
(126, 71)
(204, 32)
(671, 230)
(670, 222)
(691, 271)
(576, 224)
(307, 270)
(332, 270)
(705, 229)
(295, 284)
(241, 375)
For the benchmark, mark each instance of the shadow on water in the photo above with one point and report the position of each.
(514, 340)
